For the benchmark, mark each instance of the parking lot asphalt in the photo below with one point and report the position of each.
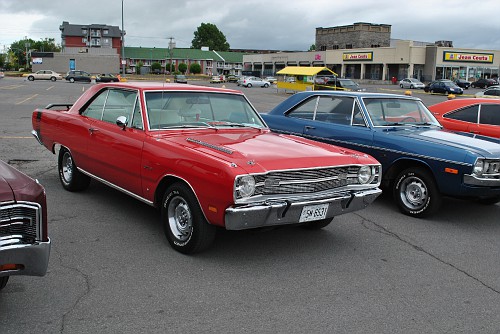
(111, 269)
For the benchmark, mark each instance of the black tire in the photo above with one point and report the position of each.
(416, 193)
(316, 225)
(401, 85)
(71, 178)
(71, 80)
(53, 79)
(3, 282)
(184, 224)
(249, 85)
(266, 85)
(411, 86)
(31, 78)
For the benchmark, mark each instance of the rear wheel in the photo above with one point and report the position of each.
(31, 78)
(53, 79)
(416, 192)
(249, 85)
(3, 282)
(184, 224)
(72, 80)
(266, 85)
(71, 178)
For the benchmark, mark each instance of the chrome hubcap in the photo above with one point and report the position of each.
(180, 218)
(67, 167)
(414, 193)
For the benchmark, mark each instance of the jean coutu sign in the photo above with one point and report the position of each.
(467, 57)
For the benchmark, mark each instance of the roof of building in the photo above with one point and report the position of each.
(182, 53)
(305, 70)
(68, 29)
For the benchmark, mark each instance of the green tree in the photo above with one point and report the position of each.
(195, 68)
(138, 67)
(312, 47)
(169, 68)
(209, 35)
(156, 67)
(19, 49)
(182, 68)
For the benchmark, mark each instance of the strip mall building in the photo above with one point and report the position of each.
(365, 51)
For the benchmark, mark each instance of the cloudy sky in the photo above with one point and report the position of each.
(255, 24)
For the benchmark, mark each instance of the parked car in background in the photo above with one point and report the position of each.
(411, 83)
(341, 84)
(254, 81)
(73, 76)
(180, 78)
(44, 75)
(491, 92)
(483, 83)
(24, 240)
(106, 77)
(216, 79)
(271, 79)
(231, 78)
(462, 83)
(421, 162)
(472, 115)
(180, 143)
(443, 87)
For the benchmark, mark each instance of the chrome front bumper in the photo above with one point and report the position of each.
(31, 259)
(283, 212)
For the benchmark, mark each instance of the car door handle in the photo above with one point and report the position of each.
(92, 130)
(309, 127)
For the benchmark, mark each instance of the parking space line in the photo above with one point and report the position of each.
(27, 99)
(15, 137)
(50, 88)
(11, 86)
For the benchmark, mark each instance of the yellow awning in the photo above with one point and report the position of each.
(305, 70)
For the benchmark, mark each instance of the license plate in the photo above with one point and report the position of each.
(313, 212)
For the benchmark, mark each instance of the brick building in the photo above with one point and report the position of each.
(354, 36)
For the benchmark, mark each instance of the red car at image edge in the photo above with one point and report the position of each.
(472, 115)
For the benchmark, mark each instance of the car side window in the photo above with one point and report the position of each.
(492, 92)
(305, 110)
(469, 114)
(333, 109)
(95, 108)
(490, 114)
(119, 103)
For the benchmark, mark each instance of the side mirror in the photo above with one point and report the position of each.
(122, 122)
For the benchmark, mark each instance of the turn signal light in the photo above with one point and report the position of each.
(451, 170)
(11, 266)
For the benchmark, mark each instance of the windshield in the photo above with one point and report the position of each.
(348, 83)
(398, 111)
(194, 109)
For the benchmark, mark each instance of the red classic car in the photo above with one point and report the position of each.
(204, 157)
(24, 243)
(474, 115)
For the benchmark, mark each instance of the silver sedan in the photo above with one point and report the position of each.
(411, 83)
(254, 81)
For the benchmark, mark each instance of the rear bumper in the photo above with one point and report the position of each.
(283, 212)
(29, 259)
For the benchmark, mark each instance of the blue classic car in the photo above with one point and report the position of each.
(421, 162)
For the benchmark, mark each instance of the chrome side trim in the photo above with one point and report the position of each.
(114, 186)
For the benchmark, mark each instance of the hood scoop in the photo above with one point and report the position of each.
(212, 146)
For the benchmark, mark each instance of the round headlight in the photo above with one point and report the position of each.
(365, 175)
(245, 186)
(478, 167)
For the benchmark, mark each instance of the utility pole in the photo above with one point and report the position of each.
(171, 45)
(123, 46)
(26, 45)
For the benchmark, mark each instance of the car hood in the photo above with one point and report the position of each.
(261, 151)
(485, 146)
(11, 180)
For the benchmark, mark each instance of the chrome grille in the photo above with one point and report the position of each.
(306, 181)
(20, 219)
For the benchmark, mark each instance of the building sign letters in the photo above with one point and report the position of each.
(468, 57)
(358, 56)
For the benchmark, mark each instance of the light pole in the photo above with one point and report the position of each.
(123, 46)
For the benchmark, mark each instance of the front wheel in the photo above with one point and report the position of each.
(71, 178)
(3, 282)
(53, 79)
(184, 224)
(416, 193)
(71, 80)
(31, 78)
(266, 85)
